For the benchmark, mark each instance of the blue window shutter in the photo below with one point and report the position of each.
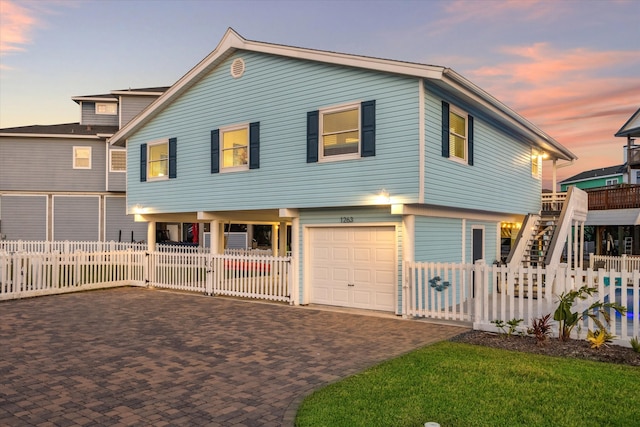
(313, 127)
(368, 129)
(470, 140)
(143, 162)
(215, 151)
(445, 129)
(254, 145)
(173, 158)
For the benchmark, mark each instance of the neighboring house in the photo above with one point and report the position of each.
(369, 162)
(65, 182)
(596, 178)
(614, 198)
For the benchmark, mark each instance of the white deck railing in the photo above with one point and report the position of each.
(617, 263)
(67, 246)
(481, 293)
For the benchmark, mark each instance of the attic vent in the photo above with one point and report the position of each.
(237, 68)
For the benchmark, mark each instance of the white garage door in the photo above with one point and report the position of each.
(354, 267)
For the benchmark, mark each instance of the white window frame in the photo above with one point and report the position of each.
(108, 111)
(611, 181)
(321, 134)
(111, 160)
(222, 149)
(152, 144)
(75, 156)
(536, 163)
(459, 112)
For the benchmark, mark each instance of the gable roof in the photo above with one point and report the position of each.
(66, 130)
(444, 77)
(597, 173)
(631, 127)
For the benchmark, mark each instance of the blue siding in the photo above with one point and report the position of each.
(278, 92)
(500, 178)
(361, 216)
(438, 239)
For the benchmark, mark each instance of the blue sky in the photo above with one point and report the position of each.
(570, 67)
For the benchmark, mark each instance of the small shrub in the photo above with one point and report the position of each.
(635, 344)
(541, 329)
(599, 338)
(509, 327)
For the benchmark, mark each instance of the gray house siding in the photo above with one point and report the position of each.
(76, 218)
(130, 106)
(23, 217)
(118, 225)
(46, 164)
(89, 116)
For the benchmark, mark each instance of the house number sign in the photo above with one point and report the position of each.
(346, 219)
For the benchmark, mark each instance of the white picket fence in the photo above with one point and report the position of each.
(67, 246)
(617, 263)
(34, 274)
(481, 293)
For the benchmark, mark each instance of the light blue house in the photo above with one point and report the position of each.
(368, 162)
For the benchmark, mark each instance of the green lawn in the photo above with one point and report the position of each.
(457, 384)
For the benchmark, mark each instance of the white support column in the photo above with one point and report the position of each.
(282, 249)
(408, 255)
(569, 246)
(274, 239)
(295, 260)
(214, 236)
(221, 244)
(582, 245)
(151, 236)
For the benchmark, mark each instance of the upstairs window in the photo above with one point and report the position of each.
(536, 163)
(158, 160)
(457, 134)
(110, 108)
(340, 130)
(235, 148)
(340, 133)
(117, 160)
(613, 181)
(82, 157)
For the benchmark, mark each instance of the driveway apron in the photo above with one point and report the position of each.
(134, 356)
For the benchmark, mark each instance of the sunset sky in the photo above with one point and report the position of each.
(570, 67)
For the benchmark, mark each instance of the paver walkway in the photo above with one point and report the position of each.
(134, 356)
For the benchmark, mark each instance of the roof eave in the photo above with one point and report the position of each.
(54, 135)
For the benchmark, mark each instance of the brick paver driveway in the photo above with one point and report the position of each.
(134, 356)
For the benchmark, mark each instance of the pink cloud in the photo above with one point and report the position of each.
(574, 95)
(17, 24)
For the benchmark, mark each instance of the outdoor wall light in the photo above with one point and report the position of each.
(383, 197)
(138, 209)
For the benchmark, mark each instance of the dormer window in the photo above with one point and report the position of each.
(110, 108)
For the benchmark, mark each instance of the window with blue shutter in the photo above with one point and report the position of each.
(457, 134)
(368, 129)
(342, 133)
(312, 136)
(173, 158)
(254, 145)
(215, 151)
(143, 162)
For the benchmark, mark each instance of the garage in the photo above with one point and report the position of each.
(353, 267)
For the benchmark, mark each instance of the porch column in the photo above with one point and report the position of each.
(214, 242)
(570, 245)
(274, 239)
(581, 245)
(554, 184)
(295, 261)
(282, 249)
(408, 255)
(151, 236)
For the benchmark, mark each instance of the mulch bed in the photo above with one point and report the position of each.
(573, 348)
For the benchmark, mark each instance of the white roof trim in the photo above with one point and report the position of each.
(54, 135)
(93, 99)
(135, 93)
